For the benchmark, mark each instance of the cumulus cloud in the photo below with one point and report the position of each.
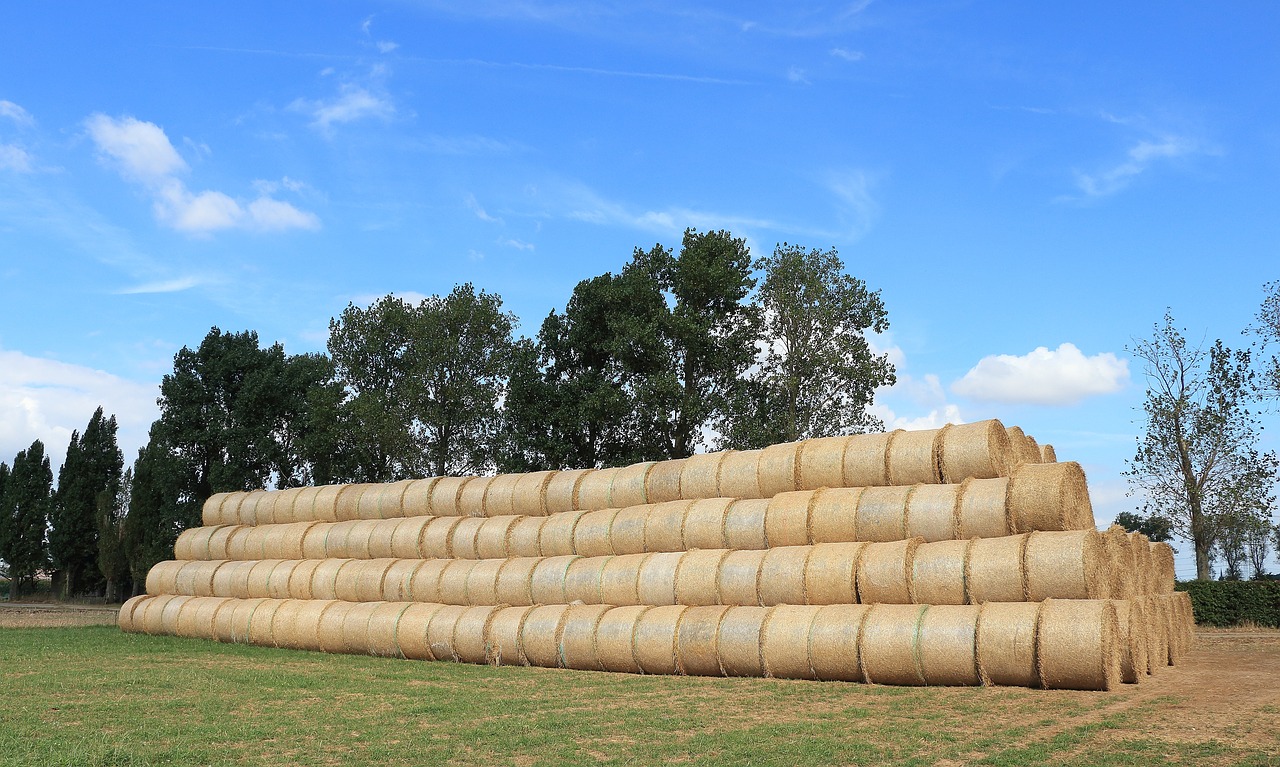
(352, 103)
(1063, 376)
(46, 399)
(142, 152)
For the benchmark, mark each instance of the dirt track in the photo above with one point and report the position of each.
(33, 615)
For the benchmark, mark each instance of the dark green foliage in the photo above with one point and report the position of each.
(423, 383)
(817, 374)
(24, 514)
(93, 466)
(1156, 528)
(159, 508)
(113, 560)
(1231, 603)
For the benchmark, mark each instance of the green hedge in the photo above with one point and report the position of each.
(1230, 603)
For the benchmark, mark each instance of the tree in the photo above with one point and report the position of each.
(160, 508)
(1268, 328)
(93, 465)
(424, 383)
(1257, 545)
(816, 373)
(1197, 464)
(113, 558)
(24, 515)
(1156, 528)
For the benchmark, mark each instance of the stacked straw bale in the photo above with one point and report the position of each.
(963, 555)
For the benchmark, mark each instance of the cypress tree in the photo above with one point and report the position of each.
(24, 514)
(94, 464)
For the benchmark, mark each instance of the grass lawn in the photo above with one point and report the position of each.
(94, 696)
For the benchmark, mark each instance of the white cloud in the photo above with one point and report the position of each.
(143, 153)
(17, 114)
(1064, 376)
(386, 46)
(352, 103)
(1137, 160)
(474, 206)
(162, 286)
(46, 399)
(797, 75)
(517, 244)
(848, 55)
(912, 402)
(14, 158)
(853, 189)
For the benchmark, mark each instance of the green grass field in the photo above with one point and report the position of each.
(95, 696)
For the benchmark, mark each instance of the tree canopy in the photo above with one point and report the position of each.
(24, 515)
(93, 465)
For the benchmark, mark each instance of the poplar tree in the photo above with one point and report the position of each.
(24, 516)
(93, 465)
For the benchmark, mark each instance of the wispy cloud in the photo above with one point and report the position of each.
(15, 158)
(848, 55)
(1137, 160)
(517, 244)
(15, 113)
(797, 75)
(351, 104)
(161, 286)
(474, 206)
(142, 153)
(597, 71)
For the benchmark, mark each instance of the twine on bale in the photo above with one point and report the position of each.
(887, 644)
(1005, 643)
(830, 573)
(657, 578)
(628, 487)
(881, 514)
(697, 640)
(595, 489)
(1053, 496)
(938, 573)
(411, 630)
(615, 638)
(471, 632)
(744, 524)
(664, 526)
(529, 496)
(738, 580)
(704, 523)
(866, 462)
(947, 645)
(491, 538)
(931, 512)
(662, 482)
(591, 535)
(471, 497)
(500, 496)
(697, 575)
(833, 515)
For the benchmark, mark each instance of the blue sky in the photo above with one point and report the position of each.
(1035, 181)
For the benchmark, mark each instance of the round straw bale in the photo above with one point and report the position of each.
(932, 512)
(335, 542)
(620, 580)
(200, 579)
(547, 586)
(1025, 448)
(782, 575)
(1158, 626)
(664, 529)
(162, 578)
(436, 541)
(980, 450)
(291, 545)
(324, 581)
(196, 617)
(1139, 613)
(280, 511)
(515, 581)
(948, 645)
(391, 499)
(381, 537)
(556, 537)
(591, 534)
(738, 582)
(739, 641)
(411, 630)
(355, 627)
(595, 489)
(655, 639)
(1076, 647)
(324, 504)
(1032, 448)
(744, 524)
(779, 469)
(284, 623)
(697, 575)
(822, 463)
(260, 622)
(416, 499)
(882, 514)
(471, 497)
(884, 572)
(1118, 564)
(829, 573)
(522, 539)
(833, 642)
(786, 521)
(384, 623)
(696, 639)
(583, 580)
(578, 637)
(662, 483)
(628, 486)
(1162, 567)
(784, 642)
(462, 540)
(222, 620)
(445, 499)
(240, 542)
(994, 570)
(626, 531)
(491, 538)
(502, 637)
(124, 619)
(369, 503)
(453, 581)
(1048, 454)
(913, 457)
(700, 476)
(470, 634)
(234, 623)
(937, 573)
(528, 498)
(211, 511)
(163, 616)
(230, 579)
(833, 515)
(277, 580)
(704, 523)
(315, 540)
(303, 508)
(1145, 577)
(866, 462)
(500, 498)
(360, 538)
(1065, 565)
(540, 636)
(889, 644)
(657, 581)
(298, 586)
(347, 505)
(739, 474)
(329, 630)
(561, 491)
(184, 548)
(980, 510)
(424, 584)
(216, 547)
(259, 580)
(440, 632)
(247, 511)
(1049, 496)
(397, 584)
(371, 579)
(1006, 643)
(1183, 600)
(293, 505)
(1132, 640)
(615, 638)
(1173, 618)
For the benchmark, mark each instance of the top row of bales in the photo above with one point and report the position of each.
(951, 454)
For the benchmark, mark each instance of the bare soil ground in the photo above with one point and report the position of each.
(34, 615)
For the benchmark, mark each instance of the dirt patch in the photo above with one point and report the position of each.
(32, 616)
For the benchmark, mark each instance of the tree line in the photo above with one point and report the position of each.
(704, 347)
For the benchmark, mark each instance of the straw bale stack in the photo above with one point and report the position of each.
(956, 556)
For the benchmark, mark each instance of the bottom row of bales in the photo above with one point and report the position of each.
(1055, 644)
